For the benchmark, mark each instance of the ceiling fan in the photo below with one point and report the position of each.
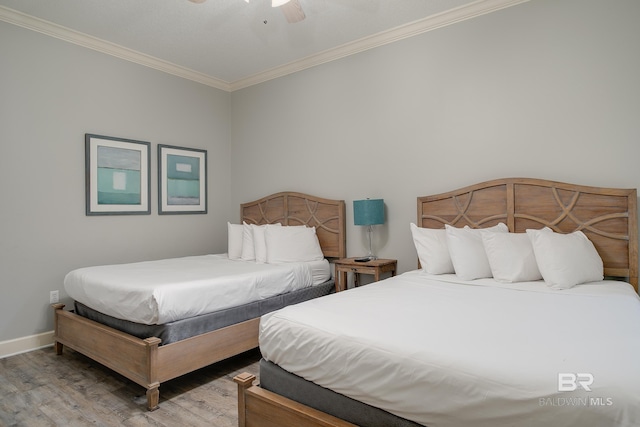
(291, 8)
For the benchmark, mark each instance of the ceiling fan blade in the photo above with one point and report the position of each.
(293, 11)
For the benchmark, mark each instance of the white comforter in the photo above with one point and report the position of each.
(478, 353)
(157, 292)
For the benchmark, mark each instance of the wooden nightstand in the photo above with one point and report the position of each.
(375, 267)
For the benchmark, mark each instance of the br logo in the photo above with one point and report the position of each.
(570, 382)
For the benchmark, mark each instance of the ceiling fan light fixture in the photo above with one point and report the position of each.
(278, 3)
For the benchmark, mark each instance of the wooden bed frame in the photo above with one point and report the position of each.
(147, 363)
(608, 216)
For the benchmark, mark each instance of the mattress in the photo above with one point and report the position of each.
(163, 291)
(185, 328)
(442, 352)
(286, 384)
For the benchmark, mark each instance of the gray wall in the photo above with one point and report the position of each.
(546, 89)
(51, 94)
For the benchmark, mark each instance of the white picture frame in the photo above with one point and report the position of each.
(182, 180)
(117, 176)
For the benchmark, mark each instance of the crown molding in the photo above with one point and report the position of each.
(443, 19)
(63, 33)
(449, 17)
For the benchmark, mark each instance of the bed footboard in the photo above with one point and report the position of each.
(142, 360)
(262, 408)
(129, 356)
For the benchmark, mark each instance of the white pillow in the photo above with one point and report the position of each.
(467, 251)
(566, 260)
(511, 257)
(234, 240)
(431, 246)
(292, 244)
(248, 251)
(259, 244)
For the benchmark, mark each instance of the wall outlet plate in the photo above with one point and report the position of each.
(54, 297)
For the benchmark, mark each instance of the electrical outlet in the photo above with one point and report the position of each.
(54, 297)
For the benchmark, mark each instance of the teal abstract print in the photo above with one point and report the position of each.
(119, 174)
(183, 180)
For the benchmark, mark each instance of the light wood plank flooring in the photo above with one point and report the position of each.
(41, 389)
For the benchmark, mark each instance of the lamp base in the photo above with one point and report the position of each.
(371, 256)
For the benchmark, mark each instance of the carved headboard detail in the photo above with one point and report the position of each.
(290, 208)
(608, 216)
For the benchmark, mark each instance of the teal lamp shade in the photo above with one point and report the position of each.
(368, 212)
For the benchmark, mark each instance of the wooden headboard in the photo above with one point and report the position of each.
(288, 208)
(608, 216)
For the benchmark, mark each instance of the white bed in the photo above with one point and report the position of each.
(471, 349)
(445, 353)
(163, 291)
(217, 299)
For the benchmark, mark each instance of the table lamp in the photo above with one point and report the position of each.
(368, 212)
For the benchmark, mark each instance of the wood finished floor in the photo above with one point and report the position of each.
(41, 389)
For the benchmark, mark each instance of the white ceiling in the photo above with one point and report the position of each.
(230, 44)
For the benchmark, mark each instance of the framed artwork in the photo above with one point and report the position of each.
(182, 180)
(117, 176)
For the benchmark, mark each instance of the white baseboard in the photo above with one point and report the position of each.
(25, 344)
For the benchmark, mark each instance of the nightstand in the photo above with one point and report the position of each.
(376, 267)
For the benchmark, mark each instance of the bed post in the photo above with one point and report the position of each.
(633, 237)
(56, 345)
(153, 387)
(244, 381)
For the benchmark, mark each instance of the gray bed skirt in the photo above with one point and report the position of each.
(182, 329)
(284, 383)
